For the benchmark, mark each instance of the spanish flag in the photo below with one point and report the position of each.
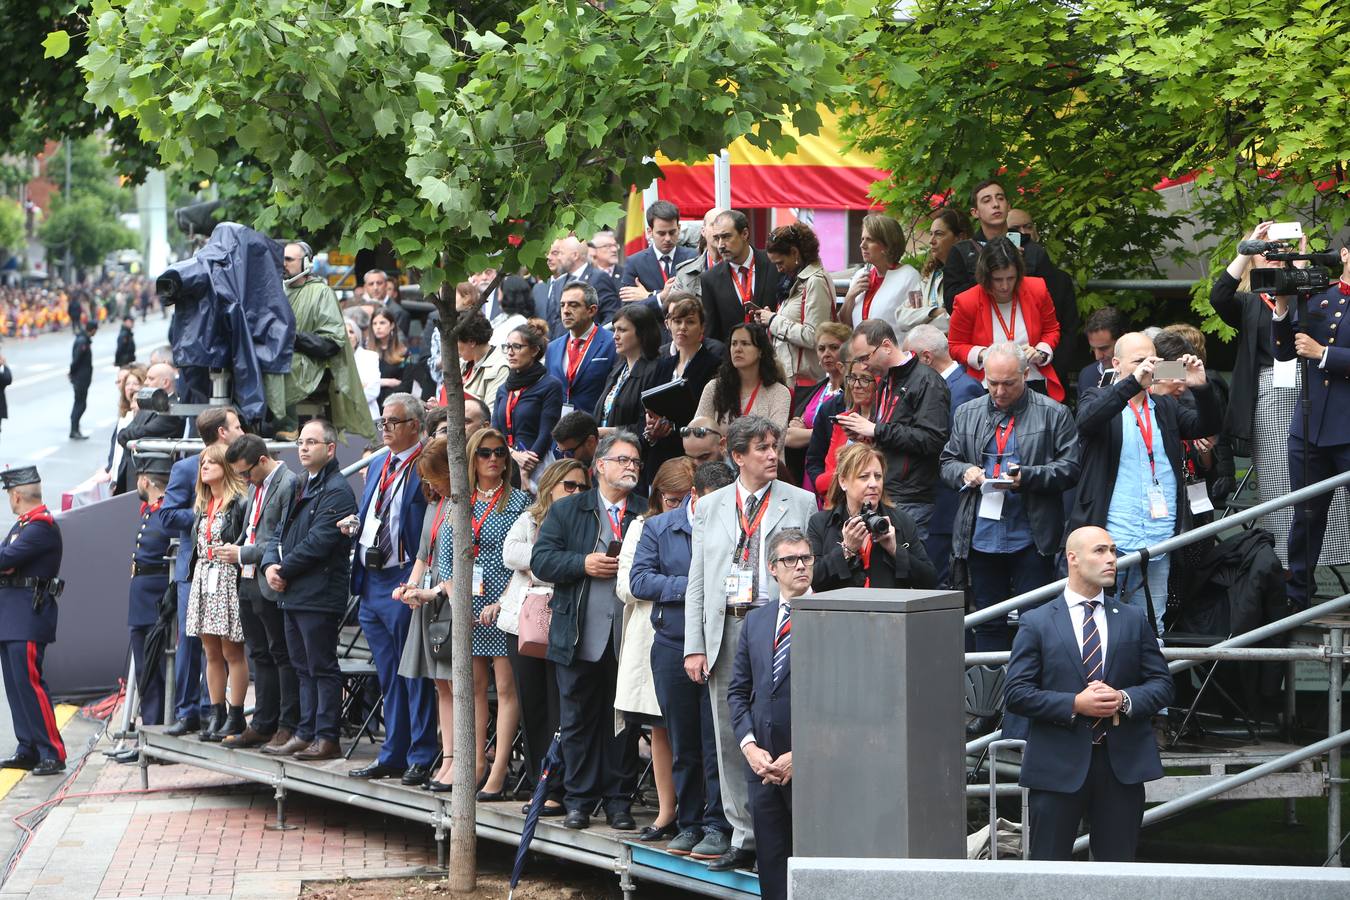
(634, 225)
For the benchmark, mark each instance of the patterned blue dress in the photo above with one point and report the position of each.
(488, 640)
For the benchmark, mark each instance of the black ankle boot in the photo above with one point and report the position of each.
(217, 724)
(234, 723)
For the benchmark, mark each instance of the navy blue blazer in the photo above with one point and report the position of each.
(152, 543)
(177, 515)
(1046, 671)
(583, 393)
(546, 294)
(537, 411)
(312, 553)
(645, 266)
(963, 388)
(412, 510)
(660, 572)
(1089, 377)
(32, 549)
(1329, 385)
(757, 705)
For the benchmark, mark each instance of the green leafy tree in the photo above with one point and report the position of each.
(1083, 108)
(88, 229)
(465, 134)
(11, 228)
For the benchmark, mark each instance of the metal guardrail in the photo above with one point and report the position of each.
(194, 445)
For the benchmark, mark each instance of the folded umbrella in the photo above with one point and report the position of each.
(552, 769)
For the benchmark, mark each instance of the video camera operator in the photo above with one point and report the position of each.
(1319, 433)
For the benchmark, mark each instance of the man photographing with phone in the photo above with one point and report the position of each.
(1130, 445)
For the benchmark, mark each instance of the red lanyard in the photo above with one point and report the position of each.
(512, 398)
(258, 495)
(874, 280)
(1009, 328)
(886, 401)
(865, 556)
(478, 522)
(388, 477)
(749, 404)
(1001, 436)
(617, 527)
(1265, 298)
(436, 521)
(573, 365)
(749, 528)
(1146, 429)
(211, 508)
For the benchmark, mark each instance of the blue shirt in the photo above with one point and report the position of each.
(1129, 519)
(1012, 531)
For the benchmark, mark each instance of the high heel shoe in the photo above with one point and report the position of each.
(491, 797)
(651, 834)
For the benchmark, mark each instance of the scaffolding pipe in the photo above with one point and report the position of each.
(1336, 674)
(1185, 539)
(1200, 654)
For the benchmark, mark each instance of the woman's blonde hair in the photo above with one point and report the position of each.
(887, 232)
(124, 405)
(555, 473)
(848, 463)
(231, 487)
(675, 476)
(475, 442)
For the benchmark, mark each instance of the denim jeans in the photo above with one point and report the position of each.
(1130, 586)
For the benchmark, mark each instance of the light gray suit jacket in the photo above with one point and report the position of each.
(276, 502)
(716, 530)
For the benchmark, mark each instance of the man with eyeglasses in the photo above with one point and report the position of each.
(576, 436)
(388, 531)
(306, 566)
(578, 551)
(760, 697)
(704, 441)
(271, 491)
(728, 577)
(580, 358)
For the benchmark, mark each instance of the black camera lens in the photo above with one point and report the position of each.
(875, 521)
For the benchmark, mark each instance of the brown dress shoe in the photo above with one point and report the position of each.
(248, 739)
(294, 745)
(323, 748)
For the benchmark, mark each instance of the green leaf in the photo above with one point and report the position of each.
(384, 120)
(56, 45)
(555, 137)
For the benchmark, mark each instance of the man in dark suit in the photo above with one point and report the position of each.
(603, 253)
(271, 491)
(744, 280)
(583, 355)
(570, 256)
(1088, 675)
(645, 273)
(30, 560)
(1102, 329)
(388, 532)
(929, 344)
(760, 698)
(547, 292)
(1323, 445)
(306, 564)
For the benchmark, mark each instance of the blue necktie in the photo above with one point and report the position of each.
(782, 645)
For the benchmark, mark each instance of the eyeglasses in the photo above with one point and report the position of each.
(248, 471)
(860, 379)
(391, 424)
(573, 486)
(628, 462)
(699, 432)
(672, 500)
(489, 452)
(806, 560)
(565, 452)
(310, 442)
(513, 348)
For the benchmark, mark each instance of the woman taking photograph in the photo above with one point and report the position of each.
(884, 285)
(827, 438)
(795, 252)
(536, 687)
(1006, 304)
(831, 337)
(395, 373)
(637, 341)
(749, 381)
(529, 402)
(862, 540)
(213, 604)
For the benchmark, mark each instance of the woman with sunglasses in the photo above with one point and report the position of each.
(860, 539)
(536, 686)
(529, 402)
(827, 438)
(750, 381)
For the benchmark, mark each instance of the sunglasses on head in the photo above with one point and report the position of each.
(489, 452)
(698, 432)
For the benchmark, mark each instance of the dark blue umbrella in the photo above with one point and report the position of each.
(552, 769)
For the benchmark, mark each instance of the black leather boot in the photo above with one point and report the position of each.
(234, 723)
(183, 727)
(217, 723)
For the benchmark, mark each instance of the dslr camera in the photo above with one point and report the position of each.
(876, 523)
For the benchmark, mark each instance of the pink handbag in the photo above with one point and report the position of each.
(535, 619)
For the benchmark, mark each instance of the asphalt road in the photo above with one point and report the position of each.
(36, 432)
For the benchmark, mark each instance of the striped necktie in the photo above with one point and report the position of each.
(1092, 661)
(782, 644)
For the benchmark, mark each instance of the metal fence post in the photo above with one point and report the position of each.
(1334, 779)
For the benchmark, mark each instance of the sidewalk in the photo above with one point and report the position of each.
(200, 834)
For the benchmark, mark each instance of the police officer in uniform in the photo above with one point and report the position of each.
(149, 577)
(30, 559)
(1325, 443)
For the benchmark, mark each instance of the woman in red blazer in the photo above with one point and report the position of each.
(1006, 306)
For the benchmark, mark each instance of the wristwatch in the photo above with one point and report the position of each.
(440, 592)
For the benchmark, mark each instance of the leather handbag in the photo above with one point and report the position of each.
(438, 631)
(535, 619)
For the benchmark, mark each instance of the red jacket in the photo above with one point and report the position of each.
(972, 327)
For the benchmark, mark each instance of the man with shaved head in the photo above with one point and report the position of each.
(688, 274)
(148, 424)
(1133, 483)
(568, 262)
(1088, 675)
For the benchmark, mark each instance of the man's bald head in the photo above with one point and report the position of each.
(1090, 553)
(161, 375)
(573, 252)
(1131, 349)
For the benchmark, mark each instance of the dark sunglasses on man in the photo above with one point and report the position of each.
(698, 432)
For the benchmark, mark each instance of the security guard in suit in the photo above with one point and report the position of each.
(1311, 333)
(30, 559)
(149, 577)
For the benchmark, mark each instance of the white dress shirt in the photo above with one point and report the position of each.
(1076, 611)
